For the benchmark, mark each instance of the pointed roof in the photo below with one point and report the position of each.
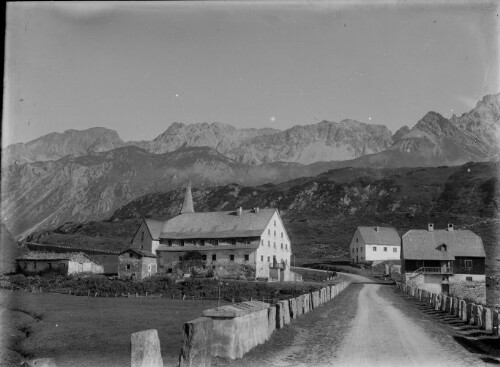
(187, 206)
(380, 235)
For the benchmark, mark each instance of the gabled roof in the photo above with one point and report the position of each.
(421, 244)
(380, 235)
(36, 255)
(154, 227)
(139, 252)
(225, 224)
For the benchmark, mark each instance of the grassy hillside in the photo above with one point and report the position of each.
(322, 212)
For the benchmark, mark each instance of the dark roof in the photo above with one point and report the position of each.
(380, 235)
(225, 224)
(36, 255)
(421, 244)
(139, 252)
(155, 227)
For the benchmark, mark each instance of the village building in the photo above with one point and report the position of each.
(255, 237)
(374, 244)
(136, 264)
(63, 263)
(432, 259)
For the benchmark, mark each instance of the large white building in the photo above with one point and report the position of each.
(375, 244)
(256, 237)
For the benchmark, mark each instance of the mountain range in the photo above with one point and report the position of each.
(87, 175)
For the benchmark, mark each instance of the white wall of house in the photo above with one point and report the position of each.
(274, 242)
(375, 252)
(458, 278)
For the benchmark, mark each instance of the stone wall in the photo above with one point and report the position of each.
(483, 317)
(231, 331)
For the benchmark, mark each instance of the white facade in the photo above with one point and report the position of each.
(274, 243)
(361, 252)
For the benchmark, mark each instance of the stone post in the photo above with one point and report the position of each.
(145, 349)
(197, 344)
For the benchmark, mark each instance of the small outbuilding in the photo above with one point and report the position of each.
(136, 264)
(64, 263)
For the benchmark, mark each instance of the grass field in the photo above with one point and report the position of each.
(81, 331)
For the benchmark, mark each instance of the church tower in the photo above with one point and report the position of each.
(187, 206)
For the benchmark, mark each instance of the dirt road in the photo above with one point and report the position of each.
(366, 325)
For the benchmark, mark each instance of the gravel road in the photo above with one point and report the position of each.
(368, 324)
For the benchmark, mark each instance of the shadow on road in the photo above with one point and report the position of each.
(489, 346)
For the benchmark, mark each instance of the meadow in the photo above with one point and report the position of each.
(84, 331)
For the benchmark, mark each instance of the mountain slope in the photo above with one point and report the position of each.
(325, 141)
(46, 194)
(322, 212)
(474, 136)
(54, 146)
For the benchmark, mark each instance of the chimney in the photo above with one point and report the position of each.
(240, 212)
(431, 227)
(450, 226)
(187, 206)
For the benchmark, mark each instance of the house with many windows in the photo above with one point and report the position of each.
(370, 244)
(432, 259)
(255, 237)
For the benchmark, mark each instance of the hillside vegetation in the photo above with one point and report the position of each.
(322, 212)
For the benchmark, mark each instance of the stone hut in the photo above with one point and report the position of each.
(136, 264)
(65, 263)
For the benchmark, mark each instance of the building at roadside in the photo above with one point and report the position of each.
(63, 263)
(371, 244)
(432, 259)
(136, 264)
(255, 237)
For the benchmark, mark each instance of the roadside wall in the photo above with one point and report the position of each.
(236, 329)
(485, 318)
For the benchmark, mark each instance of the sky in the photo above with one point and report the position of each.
(137, 67)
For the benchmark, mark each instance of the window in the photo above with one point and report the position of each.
(204, 257)
(275, 233)
(394, 249)
(247, 257)
(443, 247)
(268, 231)
(374, 248)
(269, 259)
(269, 243)
(353, 251)
(274, 244)
(231, 257)
(282, 246)
(261, 257)
(275, 223)
(468, 279)
(356, 240)
(286, 246)
(50, 266)
(468, 264)
(142, 235)
(149, 267)
(385, 249)
(214, 257)
(281, 234)
(34, 265)
(180, 258)
(356, 249)
(128, 266)
(361, 249)
(262, 242)
(247, 241)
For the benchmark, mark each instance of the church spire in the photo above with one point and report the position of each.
(187, 206)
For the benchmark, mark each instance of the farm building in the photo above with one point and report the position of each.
(255, 237)
(65, 263)
(136, 264)
(371, 244)
(431, 259)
